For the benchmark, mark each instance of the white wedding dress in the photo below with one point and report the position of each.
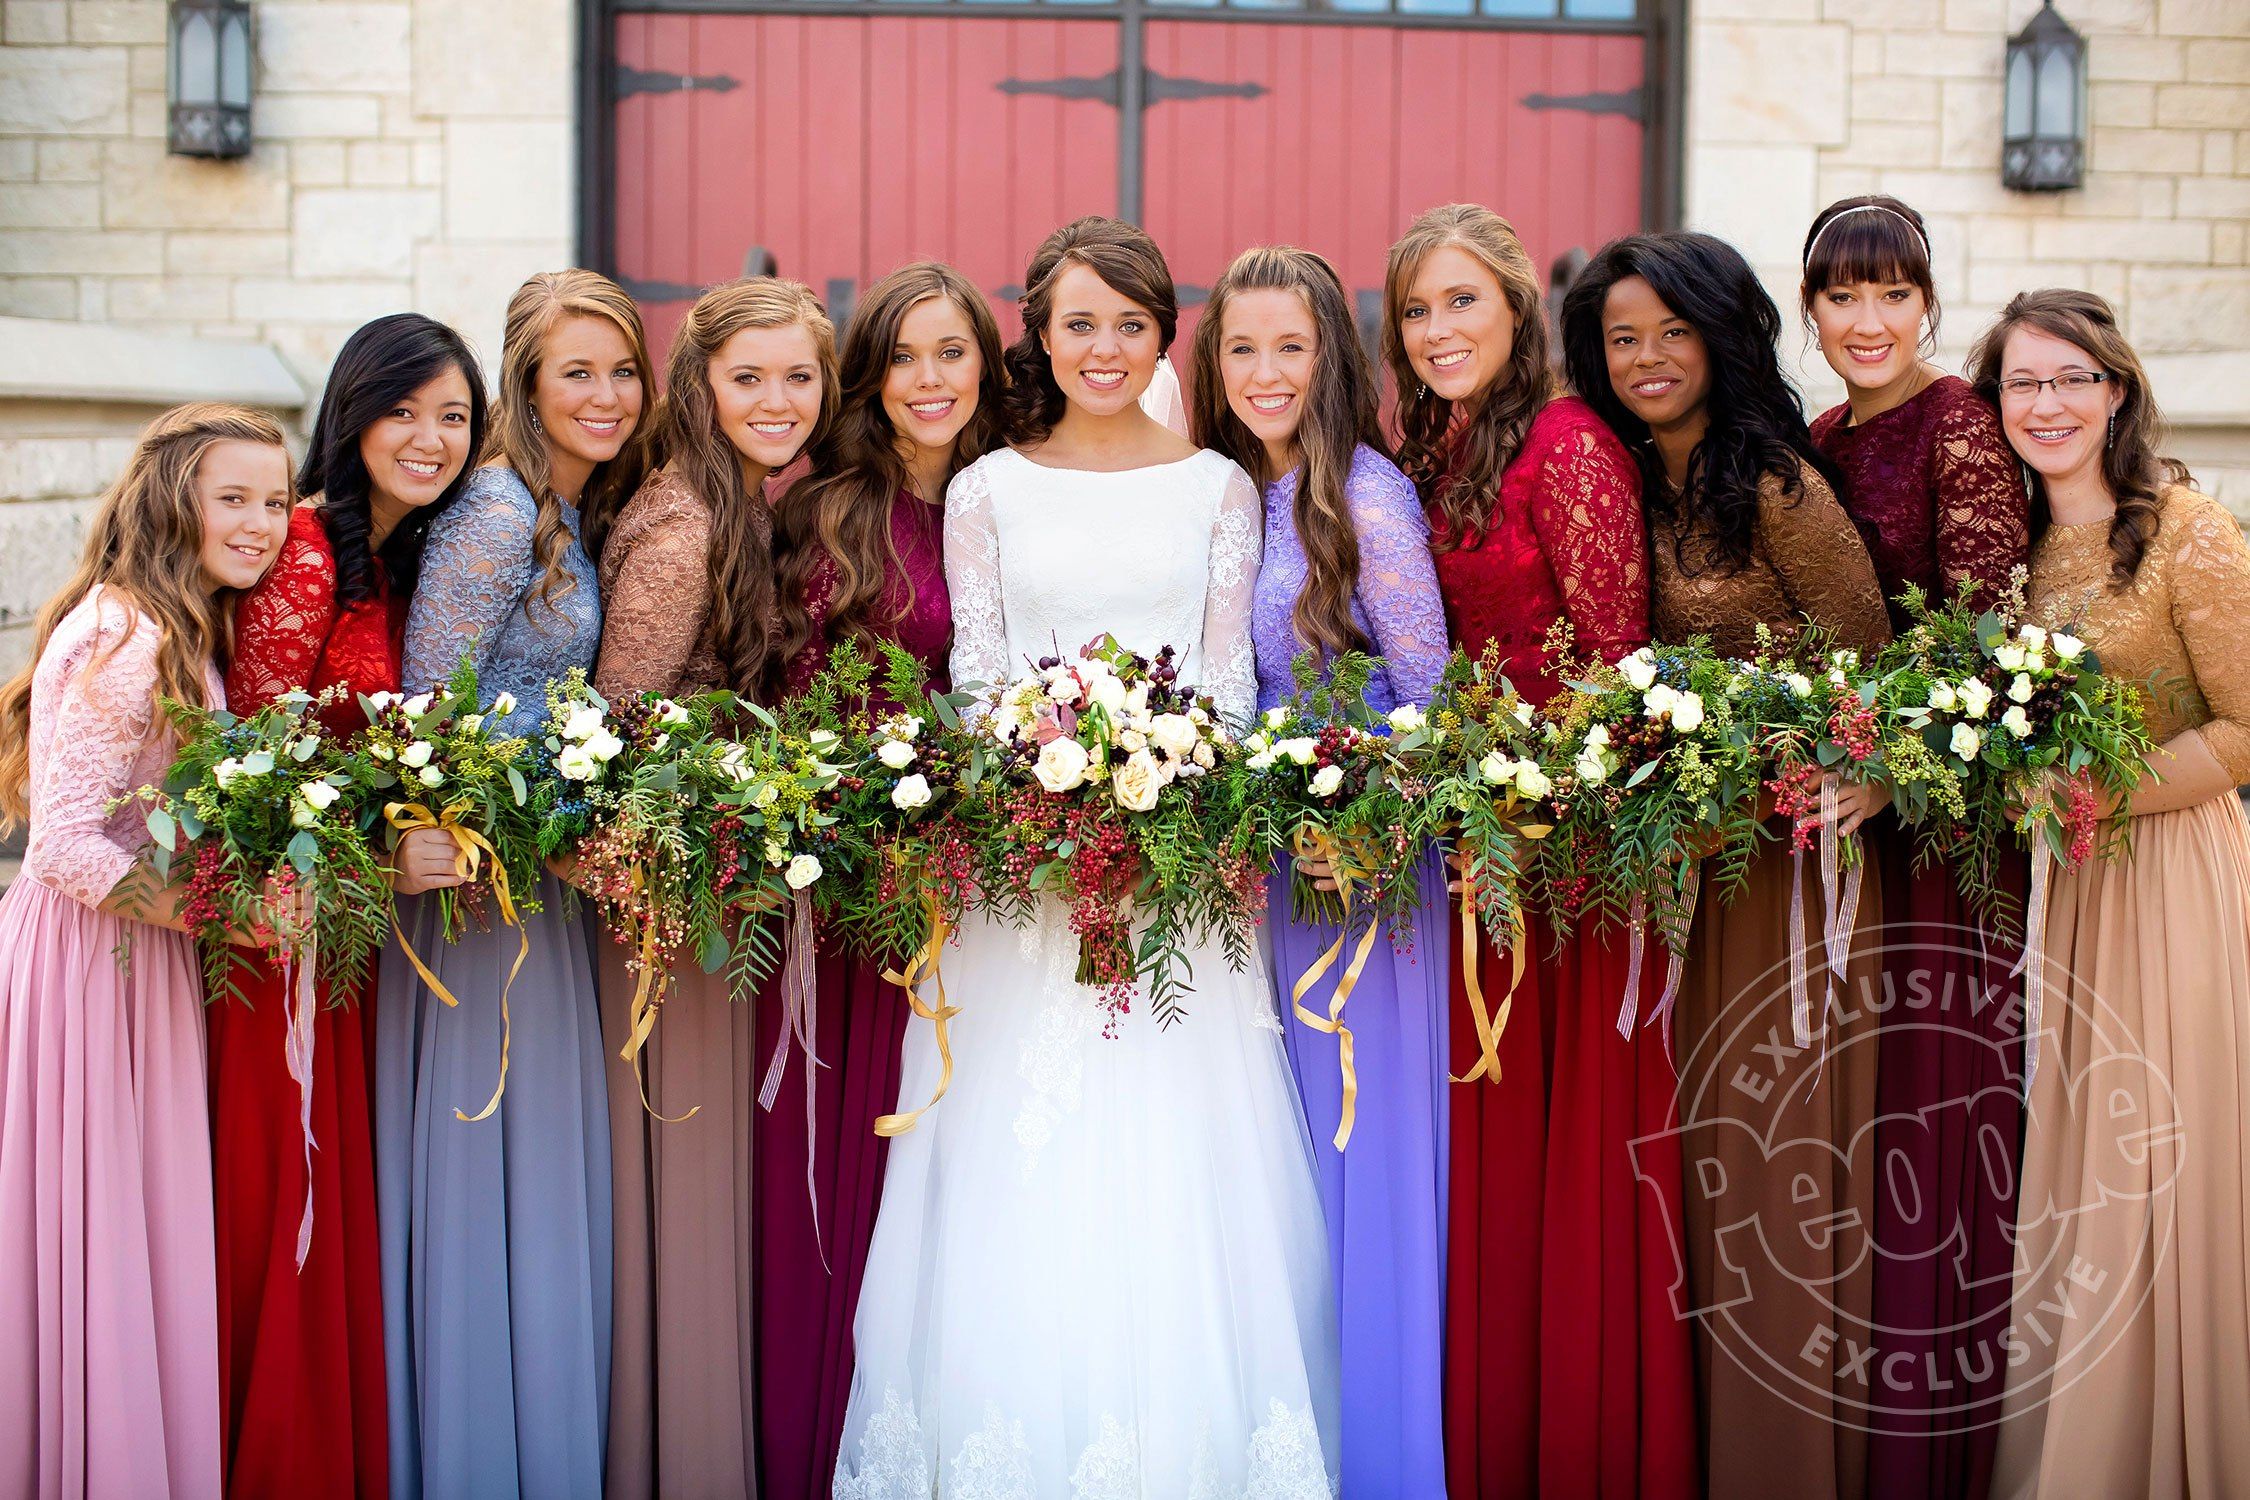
(1099, 1270)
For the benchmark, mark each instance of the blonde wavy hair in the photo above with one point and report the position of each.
(540, 306)
(144, 549)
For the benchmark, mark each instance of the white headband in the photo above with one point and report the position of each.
(1866, 208)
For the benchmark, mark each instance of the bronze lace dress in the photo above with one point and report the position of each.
(1760, 1117)
(2130, 1303)
(681, 1397)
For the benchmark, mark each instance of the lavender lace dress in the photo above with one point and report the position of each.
(1384, 1196)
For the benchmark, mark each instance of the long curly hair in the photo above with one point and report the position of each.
(2134, 470)
(1339, 413)
(700, 454)
(1871, 237)
(1459, 471)
(1756, 423)
(381, 365)
(1129, 264)
(144, 549)
(539, 306)
(840, 511)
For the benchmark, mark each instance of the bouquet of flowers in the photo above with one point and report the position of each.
(1093, 780)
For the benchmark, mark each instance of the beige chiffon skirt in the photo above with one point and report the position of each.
(681, 1409)
(2130, 1340)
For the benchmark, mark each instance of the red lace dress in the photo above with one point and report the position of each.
(1939, 498)
(808, 1284)
(300, 1352)
(1567, 1371)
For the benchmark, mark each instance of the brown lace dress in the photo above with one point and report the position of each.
(681, 1409)
(1767, 1128)
(2135, 1211)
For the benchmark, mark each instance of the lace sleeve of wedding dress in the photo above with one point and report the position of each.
(475, 567)
(1230, 661)
(103, 710)
(972, 577)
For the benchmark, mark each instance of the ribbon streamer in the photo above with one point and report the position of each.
(800, 1018)
(1675, 960)
(1489, 1026)
(1312, 843)
(300, 963)
(1840, 917)
(2033, 964)
(923, 967)
(469, 848)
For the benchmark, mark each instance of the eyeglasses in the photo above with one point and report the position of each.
(2068, 383)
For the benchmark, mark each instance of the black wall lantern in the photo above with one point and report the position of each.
(210, 82)
(2043, 130)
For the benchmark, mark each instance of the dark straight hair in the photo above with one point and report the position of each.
(381, 365)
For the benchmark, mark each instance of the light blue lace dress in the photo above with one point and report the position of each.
(496, 1234)
(1384, 1197)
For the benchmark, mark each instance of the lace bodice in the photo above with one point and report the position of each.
(479, 594)
(1041, 560)
(656, 591)
(925, 627)
(2183, 625)
(291, 631)
(1563, 539)
(1807, 562)
(96, 735)
(1395, 603)
(1934, 489)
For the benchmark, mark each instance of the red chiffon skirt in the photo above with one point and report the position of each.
(302, 1396)
(1568, 1366)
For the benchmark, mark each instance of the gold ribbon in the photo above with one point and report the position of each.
(1489, 1026)
(923, 967)
(1313, 843)
(640, 1016)
(469, 849)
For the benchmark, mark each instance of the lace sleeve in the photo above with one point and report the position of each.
(972, 579)
(281, 627)
(1230, 660)
(1398, 587)
(1586, 509)
(476, 567)
(104, 713)
(1822, 562)
(2211, 611)
(1983, 513)
(656, 599)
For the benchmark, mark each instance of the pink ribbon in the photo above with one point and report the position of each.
(1675, 963)
(298, 968)
(800, 1019)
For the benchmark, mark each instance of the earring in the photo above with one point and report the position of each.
(537, 426)
(2110, 436)
(1421, 391)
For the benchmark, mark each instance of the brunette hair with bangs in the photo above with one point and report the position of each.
(841, 510)
(1129, 264)
(1339, 414)
(1873, 237)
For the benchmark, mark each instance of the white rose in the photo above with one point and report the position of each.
(380, 751)
(1639, 669)
(2010, 658)
(258, 763)
(1261, 761)
(1108, 693)
(1204, 756)
(1531, 781)
(802, 871)
(2035, 661)
(1943, 698)
(1062, 764)
(1174, 734)
(1197, 716)
(2033, 637)
(1276, 717)
(417, 705)
(897, 754)
(1597, 736)
(1658, 700)
(1326, 780)
(1687, 712)
(1591, 768)
(2067, 646)
(1136, 701)
(668, 712)
(1062, 687)
(320, 794)
(1976, 697)
(1845, 660)
(1299, 751)
(1799, 684)
(431, 775)
(471, 723)
(656, 746)
(2017, 723)
(604, 746)
(304, 750)
(227, 772)
(583, 723)
(767, 796)
(1136, 782)
(504, 705)
(1966, 742)
(382, 701)
(1407, 717)
(1257, 744)
(302, 814)
(822, 740)
(417, 754)
(574, 764)
(1525, 713)
(1130, 740)
(907, 727)
(1496, 768)
(910, 793)
(2020, 690)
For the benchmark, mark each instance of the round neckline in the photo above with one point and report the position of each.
(1848, 425)
(1171, 463)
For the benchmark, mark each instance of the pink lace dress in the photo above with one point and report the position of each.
(109, 1340)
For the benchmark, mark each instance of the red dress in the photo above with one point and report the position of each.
(1568, 1371)
(300, 1352)
(808, 1284)
(1936, 492)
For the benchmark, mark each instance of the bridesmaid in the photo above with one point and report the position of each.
(1567, 1369)
(861, 557)
(1284, 389)
(109, 1340)
(687, 594)
(1672, 340)
(2140, 1387)
(301, 1345)
(1930, 484)
(496, 1233)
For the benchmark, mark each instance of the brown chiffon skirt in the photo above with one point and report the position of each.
(2130, 1338)
(1777, 1218)
(680, 1399)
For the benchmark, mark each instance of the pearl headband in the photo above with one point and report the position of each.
(1866, 208)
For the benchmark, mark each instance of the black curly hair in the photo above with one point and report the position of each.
(1757, 425)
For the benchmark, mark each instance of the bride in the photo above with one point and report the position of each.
(1099, 1269)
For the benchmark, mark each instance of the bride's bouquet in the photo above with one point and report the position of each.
(1092, 780)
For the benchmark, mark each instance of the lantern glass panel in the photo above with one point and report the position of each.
(2016, 116)
(234, 60)
(195, 62)
(2058, 93)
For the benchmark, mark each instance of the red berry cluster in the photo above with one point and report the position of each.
(1853, 727)
(1796, 796)
(2080, 819)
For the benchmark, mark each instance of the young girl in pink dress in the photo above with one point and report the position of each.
(109, 1357)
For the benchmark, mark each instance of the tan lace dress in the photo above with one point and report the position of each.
(1758, 1115)
(2131, 1314)
(681, 1403)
